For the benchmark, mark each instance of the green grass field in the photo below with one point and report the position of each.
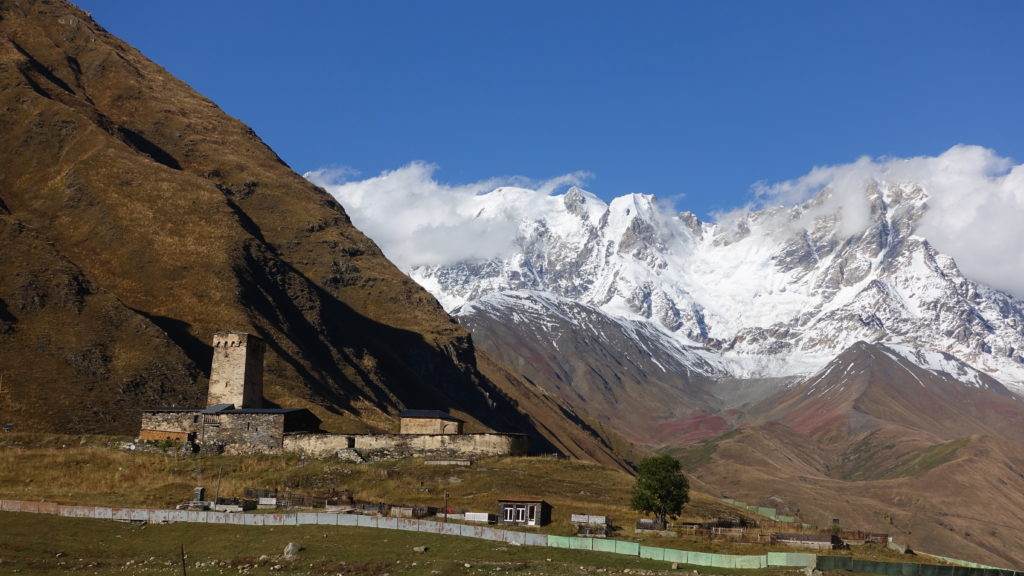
(41, 544)
(87, 470)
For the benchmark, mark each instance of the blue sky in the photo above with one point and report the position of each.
(691, 101)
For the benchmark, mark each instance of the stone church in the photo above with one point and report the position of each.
(234, 420)
(234, 417)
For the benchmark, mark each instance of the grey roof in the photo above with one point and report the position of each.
(218, 408)
(263, 410)
(427, 414)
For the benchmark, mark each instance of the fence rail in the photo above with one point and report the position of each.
(771, 559)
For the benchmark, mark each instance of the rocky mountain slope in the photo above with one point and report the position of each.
(138, 218)
(769, 294)
(882, 444)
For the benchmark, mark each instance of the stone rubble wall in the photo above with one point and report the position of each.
(394, 446)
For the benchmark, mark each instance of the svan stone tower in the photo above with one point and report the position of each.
(236, 375)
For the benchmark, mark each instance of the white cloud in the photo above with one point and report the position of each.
(417, 220)
(975, 198)
(976, 205)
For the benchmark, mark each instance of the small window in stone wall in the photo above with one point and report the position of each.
(195, 419)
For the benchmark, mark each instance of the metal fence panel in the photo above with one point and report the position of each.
(558, 541)
(368, 521)
(49, 508)
(304, 518)
(430, 526)
(627, 548)
(387, 523)
(516, 538)
(652, 553)
(700, 558)
(408, 524)
(492, 534)
(722, 561)
(750, 562)
(470, 531)
(103, 513)
(272, 519)
(791, 559)
(327, 519)
(581, 543)
(348, 520)
(535, 539)
(450, 529)
(680, 556)
(253, 519)
(600, 545)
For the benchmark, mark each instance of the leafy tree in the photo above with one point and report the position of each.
(660, 489)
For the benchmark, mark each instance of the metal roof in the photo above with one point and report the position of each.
(427, 414)
(218, 408)
(263, 411)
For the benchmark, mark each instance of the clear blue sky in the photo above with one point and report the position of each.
(700, 99)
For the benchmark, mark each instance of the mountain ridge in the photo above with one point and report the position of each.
(123, 186)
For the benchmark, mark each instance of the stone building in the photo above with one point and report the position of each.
(428, 422)
(236, 374)
(235, 420)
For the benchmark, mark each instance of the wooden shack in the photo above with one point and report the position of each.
(524, 512)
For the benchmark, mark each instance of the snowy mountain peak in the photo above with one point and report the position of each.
(772, 292)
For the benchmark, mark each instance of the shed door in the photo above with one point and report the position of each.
(531, 512)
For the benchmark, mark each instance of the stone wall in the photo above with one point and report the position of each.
(247, 432)
(259, 432)
(157, 435)
(184, 421)
(236, 374)
(430, 426)
(393, 446)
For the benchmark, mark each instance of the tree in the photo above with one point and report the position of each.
(660, 489)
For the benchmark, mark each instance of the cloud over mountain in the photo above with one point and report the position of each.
(419, 221)
(976, 199)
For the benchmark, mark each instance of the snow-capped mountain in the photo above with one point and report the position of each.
(761, 294)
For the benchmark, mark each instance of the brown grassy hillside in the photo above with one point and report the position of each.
(885, 446)
(138, 218)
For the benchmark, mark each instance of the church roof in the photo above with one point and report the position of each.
(439, 414)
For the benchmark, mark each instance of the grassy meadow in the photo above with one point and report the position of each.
(92, 470)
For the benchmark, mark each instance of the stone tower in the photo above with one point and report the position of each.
(236, 375)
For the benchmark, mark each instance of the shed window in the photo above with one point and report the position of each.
(509, 510)
(520, 513)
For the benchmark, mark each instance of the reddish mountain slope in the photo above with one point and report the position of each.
(885, 446)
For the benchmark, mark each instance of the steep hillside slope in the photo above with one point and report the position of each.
(614, 369)
(883, 445)
(142, 219)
